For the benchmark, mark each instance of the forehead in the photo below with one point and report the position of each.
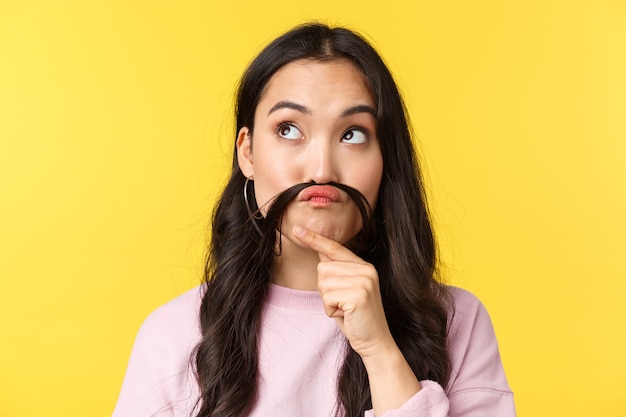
(308, 80)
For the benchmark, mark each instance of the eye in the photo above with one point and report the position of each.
(289, 131)
(355, 136)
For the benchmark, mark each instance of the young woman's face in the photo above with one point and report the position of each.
(314, 122)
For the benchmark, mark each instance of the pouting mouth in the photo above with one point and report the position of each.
(320, 193)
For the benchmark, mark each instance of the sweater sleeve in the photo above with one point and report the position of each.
(477, 386)
(159, 381)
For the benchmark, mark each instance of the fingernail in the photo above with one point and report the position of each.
(299, 231)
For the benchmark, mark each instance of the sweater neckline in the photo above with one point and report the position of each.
(294, 299)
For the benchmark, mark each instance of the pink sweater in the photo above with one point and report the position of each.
(300, 353)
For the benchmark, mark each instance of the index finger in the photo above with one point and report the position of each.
(334, 251)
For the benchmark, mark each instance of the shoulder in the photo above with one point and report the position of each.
(159, 378)
(180, 307)
(469, 320)
(174, 321)
(477, 385)
(464, 300)
(468, 317)
(473, 347)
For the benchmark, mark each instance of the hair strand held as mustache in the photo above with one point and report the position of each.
(272, 222)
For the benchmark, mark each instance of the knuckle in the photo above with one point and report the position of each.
(359, 297)
(322, 285)
(322, 269)
(369, 286)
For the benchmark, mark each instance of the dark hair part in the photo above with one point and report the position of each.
(239, 265)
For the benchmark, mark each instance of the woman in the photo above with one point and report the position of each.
(320, 296)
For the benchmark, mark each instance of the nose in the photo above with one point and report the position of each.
(322, 163)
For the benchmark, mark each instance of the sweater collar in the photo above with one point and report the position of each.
(295, 299)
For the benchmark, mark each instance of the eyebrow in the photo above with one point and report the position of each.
(361, 108)
(289, 105)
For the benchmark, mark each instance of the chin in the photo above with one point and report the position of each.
(339, 233)
(340, 226)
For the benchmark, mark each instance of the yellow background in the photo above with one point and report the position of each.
(115, 134)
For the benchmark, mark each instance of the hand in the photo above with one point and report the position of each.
(350, 291)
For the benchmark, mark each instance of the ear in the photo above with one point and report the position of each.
(244, 152)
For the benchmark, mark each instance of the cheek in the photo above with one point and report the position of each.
(270, 179)
(373, 193)
(371, 181)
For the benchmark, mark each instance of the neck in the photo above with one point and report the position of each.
(296, 267)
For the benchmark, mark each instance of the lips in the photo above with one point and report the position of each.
(320, 194)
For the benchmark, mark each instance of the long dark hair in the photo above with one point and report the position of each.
(240, 260)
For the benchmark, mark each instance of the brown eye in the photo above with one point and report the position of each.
(354, 136)
(289, 131)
